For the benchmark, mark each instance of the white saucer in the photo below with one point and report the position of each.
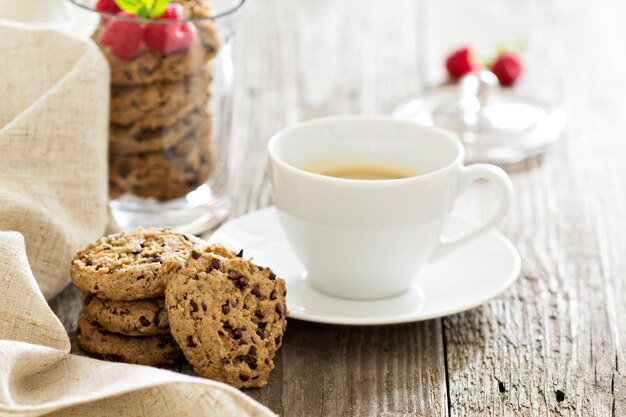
(471, 276)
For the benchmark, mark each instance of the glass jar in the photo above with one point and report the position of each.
(170, 112)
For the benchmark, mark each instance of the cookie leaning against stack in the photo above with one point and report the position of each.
(227, 314)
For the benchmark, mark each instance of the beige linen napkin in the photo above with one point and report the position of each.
(53, 199)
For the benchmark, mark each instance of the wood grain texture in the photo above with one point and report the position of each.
(359, 371)
(550, 345)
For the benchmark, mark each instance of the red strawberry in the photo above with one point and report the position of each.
(170, 38)
(173, 11)
(180, 39)
(124, 37)
(155, 34)
(460, 62)
(107, 6)
(507, 67)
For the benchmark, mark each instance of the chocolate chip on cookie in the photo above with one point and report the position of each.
(235, 332)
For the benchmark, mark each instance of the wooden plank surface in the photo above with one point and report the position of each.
(550, 345)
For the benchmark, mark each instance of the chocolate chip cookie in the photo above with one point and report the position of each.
(132, 265)
(228, 315)
(130, 318)
(167, 174)
(149, 350)
(136, 104)
(171, 187)
(165, 182)
(156, 134)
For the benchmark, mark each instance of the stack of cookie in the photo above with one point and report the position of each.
(152, 296)
(123, 279)
(160, 124)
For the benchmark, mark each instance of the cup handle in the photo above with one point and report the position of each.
(467, 176)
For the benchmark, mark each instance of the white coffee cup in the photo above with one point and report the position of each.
(367, 239)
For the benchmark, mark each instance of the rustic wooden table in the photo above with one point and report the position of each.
(550, 345)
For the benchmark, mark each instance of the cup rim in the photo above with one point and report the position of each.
(443, 133)
(226, 13)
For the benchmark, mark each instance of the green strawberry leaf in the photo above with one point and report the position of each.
(158, 8)
(143, 13)
(130, 6)
(143, 9)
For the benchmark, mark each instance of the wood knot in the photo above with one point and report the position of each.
(501, 387)
(560, 396)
